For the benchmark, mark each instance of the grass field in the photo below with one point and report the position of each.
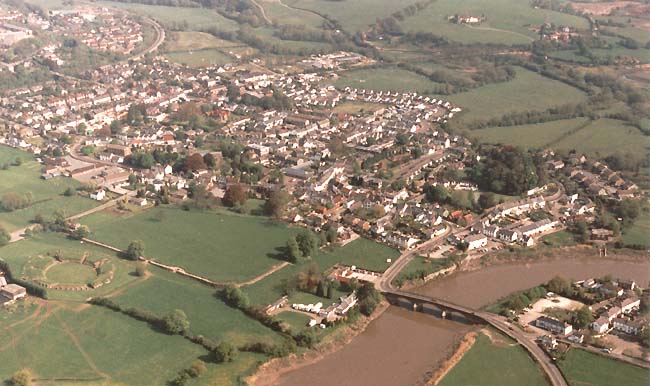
(71, 273)
(192, 40)
(606, 136)
(498, 364)
(519, 94)
(585, 368)
(216, 245)
(533, 135)
(421, 264)
(508, 21)
(197, 19)
(201, 58)
(355, 15)
(356, 107)
(47, 195)
(362, 253)
(639, 233)
(296, 320)
(29, 257)
(93, 344)
(164, 292)
(561, 238)
(387, 79)
(279, 13)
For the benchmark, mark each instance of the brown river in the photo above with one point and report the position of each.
(401, 347)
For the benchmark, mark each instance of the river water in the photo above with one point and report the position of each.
(401, 347)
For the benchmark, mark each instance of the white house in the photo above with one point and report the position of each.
(98, 195)
(475, 241)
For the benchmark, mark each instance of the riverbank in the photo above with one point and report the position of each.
(269, 373)
(445, 367)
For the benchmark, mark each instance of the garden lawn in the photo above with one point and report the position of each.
(584, 368)
(488, 363)
(530, 136)
(296, 320)
(164, 292)
(560, 238)
(387, 79)
(47, 195)
(529, 91)
(221, 246)
(28, 257)
(508, 21)
(604, 137)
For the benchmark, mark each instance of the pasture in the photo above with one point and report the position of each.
(355, 15)
(507, 21)
(528, 91)
(387, 79)
(531, 136)
(495, 363)
(216, 245)
(639, 232)
(605, 136)
(47, 196)
(585, 368)
(164, 292)
(280, 13)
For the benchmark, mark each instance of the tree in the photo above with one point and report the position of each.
(176, 322)
(197, 369)
(436, 193)
(293, 250)
(5, 237)
(135, 250)
(235, 297)
(306, 338)
(194, 163)
(69, 192)
(21, 378)
(140, 269)
(559, 285)
(487, 200)
(277, 203)
(18, 161)
(307, 242)
(235, 195)
(81, 232)
(584, 317)
(12, 201)
(225, 352)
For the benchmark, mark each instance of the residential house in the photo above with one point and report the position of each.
(553, 325)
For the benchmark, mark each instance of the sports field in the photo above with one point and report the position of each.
(529, 91)
(215, 245)
(498, 363)
(507, 21)
(47, 195)
(533, 135)
(585, 368)
(387, 79)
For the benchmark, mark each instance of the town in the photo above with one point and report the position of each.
(289, 199)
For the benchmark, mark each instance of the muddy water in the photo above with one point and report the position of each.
(401, 346)
(396, 349)
(487, 285)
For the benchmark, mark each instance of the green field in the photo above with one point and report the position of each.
(191, 40)
(533, 135)
(28, 259)
(499, 364)
(71, 273)
(560, 238)
(528, 91)
(197, 19)
(47, 195)
(91, 345)
(639, 233)
(585, 368)
(209, 316)
(508, 21)
(201, 58)
(421, 264)
(355, 15)
(279, 13)
(386, 79)
(607, 136)
(362, 253)
(216, 245)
